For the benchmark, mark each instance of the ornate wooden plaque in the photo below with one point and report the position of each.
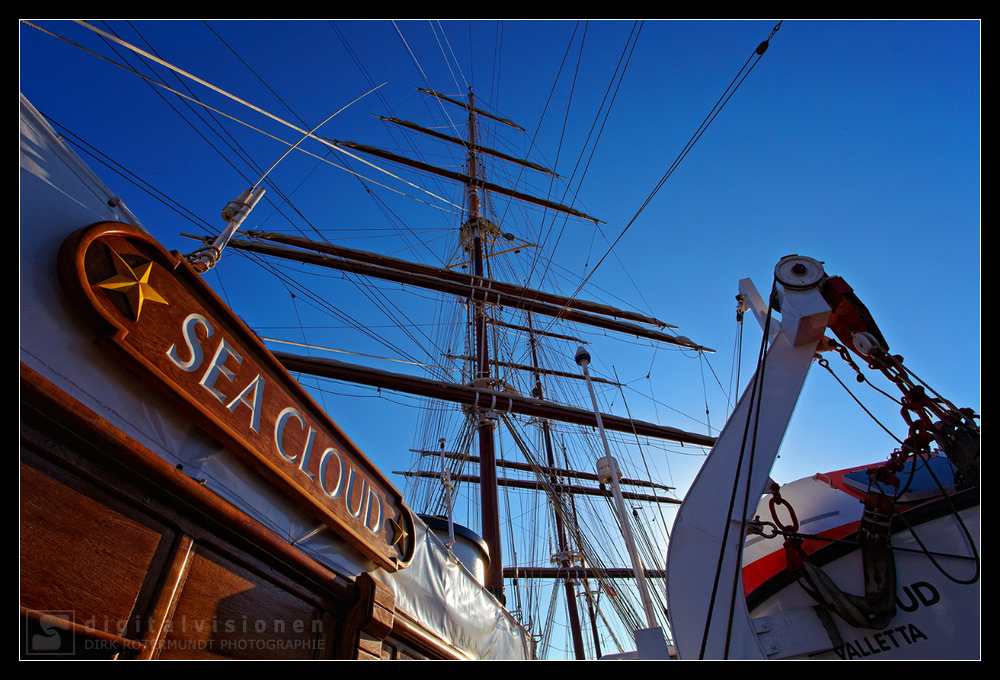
(157, 316)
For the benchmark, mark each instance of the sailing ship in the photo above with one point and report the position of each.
(493, 418)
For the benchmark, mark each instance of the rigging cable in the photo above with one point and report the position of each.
(375, 297)
(625, 610)
(633, 38)
(968, 536)
(263, 112)
(619, 75)
(738, 354)
(228, 140)
(723, 100)
(256, 75)
(755, 396)
(122, 171)
(379, 201)
(923, 455)
(129, 176)
(642, 453)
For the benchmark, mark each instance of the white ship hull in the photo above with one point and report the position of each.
(937, 613)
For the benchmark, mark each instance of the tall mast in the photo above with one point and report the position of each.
(487, 456)
(571, 610)
(484, 294)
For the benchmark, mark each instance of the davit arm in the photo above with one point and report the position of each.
(707, 608)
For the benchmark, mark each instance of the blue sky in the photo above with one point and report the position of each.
(857, 143)
(853, 142)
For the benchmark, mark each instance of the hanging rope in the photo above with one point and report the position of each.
(738, 79)
(755, 396)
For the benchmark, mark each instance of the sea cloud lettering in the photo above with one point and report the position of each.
(318, 464)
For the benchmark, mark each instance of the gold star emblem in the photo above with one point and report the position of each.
(399, 533)
(133, 283)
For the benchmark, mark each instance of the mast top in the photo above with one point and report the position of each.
(471, 108)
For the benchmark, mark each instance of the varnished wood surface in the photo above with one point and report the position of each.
(136, 560)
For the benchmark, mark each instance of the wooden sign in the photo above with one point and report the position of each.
(157, 316)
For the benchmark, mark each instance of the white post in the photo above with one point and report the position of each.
(650, 641)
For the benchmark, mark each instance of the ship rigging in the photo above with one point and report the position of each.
(488, 402)
(503, 370)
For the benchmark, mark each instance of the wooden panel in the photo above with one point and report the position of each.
(82, 553)
(227, 612)
(144, 562)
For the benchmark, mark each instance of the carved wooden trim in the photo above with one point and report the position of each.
(409, 631)
(166, 598)
(369, 622)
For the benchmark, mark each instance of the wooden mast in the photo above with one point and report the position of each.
(566, 309)
(489, 496)
(568, 582)
(482, 292)
(403, 271)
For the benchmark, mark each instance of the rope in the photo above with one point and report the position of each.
(754, 398)
(321, 140)
(712, 115)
